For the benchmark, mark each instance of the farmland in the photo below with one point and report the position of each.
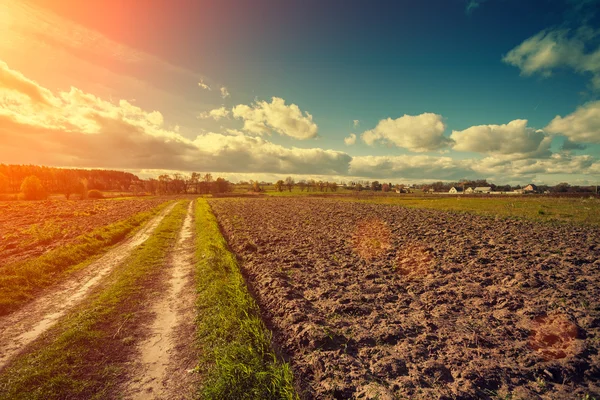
(374, 300)
(298, 298)
(28, 229)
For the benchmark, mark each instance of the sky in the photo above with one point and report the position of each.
(405, 91)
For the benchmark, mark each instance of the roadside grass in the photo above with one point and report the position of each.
(582, 211)
(83, 357)
(20, 281)
(237, 360)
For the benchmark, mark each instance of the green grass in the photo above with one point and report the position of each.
(237, 360)
(84, 356)
(20, 281)
(584, 211)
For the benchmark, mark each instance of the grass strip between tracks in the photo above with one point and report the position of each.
(237, 360)
(83, 356)
(20, 281)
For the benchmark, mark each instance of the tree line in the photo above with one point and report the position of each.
(37, 182)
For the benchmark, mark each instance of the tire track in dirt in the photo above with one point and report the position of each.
(165, 356)
(22, 327)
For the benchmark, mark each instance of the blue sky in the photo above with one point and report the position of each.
(431, 90)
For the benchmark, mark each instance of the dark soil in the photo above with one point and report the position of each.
(442, 305)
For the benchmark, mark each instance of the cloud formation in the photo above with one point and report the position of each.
(350, 140)
(473, 4)
(356, 123)
(203, 85)
(581, 126)
(262, 117)
(410, 167)
(553, 49)
(418, 133)
(224, 92)
(215, 114)
(514, 138)
(79, 129)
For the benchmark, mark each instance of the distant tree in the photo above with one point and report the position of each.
(375, 186)
(256, 186)
(194, 181)
(178, 183)
(333, 186)
(289, 182)
(279, 185)
(4, 182)
(32, 189)
(220, 186)
(561, 187)
(164, 184)
(151, 186)
(302, 185)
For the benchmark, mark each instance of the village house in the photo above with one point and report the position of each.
(531, 188)
(482, 190)
(455, 190)
(469, 190)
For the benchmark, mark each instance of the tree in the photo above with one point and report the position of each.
(279, 185)
(32, 189)
(562, 187)
(256, 186)
(164, 184)
(194, 180)
(302, 185)
(3, 183)
(289, 182)
(220, 186)
(333, 186)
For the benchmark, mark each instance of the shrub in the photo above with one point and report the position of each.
(32, 189)
(95, 194)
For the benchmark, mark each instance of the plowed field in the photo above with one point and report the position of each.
(28, 229)
(381, 301)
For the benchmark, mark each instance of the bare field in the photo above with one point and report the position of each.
(29, 229)
(381, 301)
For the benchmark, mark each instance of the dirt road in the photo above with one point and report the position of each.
(160, 370)
(22, 327)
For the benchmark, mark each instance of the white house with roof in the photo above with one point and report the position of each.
(455, 190)
(482, 189)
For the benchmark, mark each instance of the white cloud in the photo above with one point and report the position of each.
(558, 163)
(552, 49)
(262, 117)
(419, 133)
(79, 129)
(410, 167)
(215, 114)
(356, 123)
(581, 126)
(242, 153)
(473, 4)
(350, 140)
(513, 138)
(224, 92)
(204, 85)
(498, 169)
